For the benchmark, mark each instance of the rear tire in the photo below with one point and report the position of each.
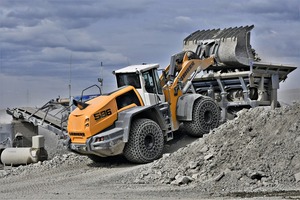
(146, 141)
(206, 116)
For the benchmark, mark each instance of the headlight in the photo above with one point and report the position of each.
(87, 123)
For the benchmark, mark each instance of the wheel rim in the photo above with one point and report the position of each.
(207, 116)
(149, 147)
(145, 142)
(149, 141)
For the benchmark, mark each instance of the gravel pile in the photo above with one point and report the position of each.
(259, 150)
(59, 161)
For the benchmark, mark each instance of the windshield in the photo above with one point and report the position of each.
(128, 79)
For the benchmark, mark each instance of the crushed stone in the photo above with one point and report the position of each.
(258, 150)
(58, 161)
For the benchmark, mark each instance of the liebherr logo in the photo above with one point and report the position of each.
(187, 71)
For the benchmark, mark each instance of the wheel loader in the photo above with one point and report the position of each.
(143, 113)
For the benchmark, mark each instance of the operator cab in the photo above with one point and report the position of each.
(145, 80)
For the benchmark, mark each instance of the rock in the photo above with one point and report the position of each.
(208, 157)
(196, 176)
(179, 180)
(3, 173)
(297, 139)
(219, 177)
(294, 127)
(193, 165)
(166, 155)
(257, 175)
(204, 149)
(297, 177)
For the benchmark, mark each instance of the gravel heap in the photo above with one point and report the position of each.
(259, 150)
(60, 161)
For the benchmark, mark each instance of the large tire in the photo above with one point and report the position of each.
(206, 116)
(146, 141)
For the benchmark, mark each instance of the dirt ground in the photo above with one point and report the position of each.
(75, 177)
(89, 181)
(255, 156)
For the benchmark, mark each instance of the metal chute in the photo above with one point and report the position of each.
(230, 46)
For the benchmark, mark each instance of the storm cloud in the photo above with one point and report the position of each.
(47, 44)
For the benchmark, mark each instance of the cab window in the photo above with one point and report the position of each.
(128, 79)
(149, 82)
(152, 84)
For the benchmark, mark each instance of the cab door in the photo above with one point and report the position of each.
(153, 91)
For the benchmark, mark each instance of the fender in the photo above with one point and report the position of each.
(125, 118)
(185, 106)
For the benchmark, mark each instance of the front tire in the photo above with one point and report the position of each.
(206, 116)
(146, 141)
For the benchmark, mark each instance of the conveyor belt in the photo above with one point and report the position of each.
(41, 117)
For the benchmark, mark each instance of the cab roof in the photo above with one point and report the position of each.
(135, 68)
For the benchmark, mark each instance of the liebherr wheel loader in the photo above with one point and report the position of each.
(137, 118)
(143, 113)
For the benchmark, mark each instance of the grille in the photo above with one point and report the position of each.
(77, 134)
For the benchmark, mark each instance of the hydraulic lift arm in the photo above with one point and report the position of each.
(177, 78)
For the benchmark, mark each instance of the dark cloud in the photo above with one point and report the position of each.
(42, 43)
(67, 14)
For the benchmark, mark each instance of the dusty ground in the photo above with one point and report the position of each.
(255, 156)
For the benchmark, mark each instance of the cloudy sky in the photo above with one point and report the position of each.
(47, 44)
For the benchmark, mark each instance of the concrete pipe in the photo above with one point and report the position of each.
(16, 156)
(19, 156)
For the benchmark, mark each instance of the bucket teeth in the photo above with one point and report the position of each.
(231, 46)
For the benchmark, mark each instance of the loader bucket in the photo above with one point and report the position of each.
(230, 46)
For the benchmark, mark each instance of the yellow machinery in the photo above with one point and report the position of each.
(141, 115)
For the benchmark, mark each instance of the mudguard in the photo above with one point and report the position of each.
(125, 118)
(185, 106)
